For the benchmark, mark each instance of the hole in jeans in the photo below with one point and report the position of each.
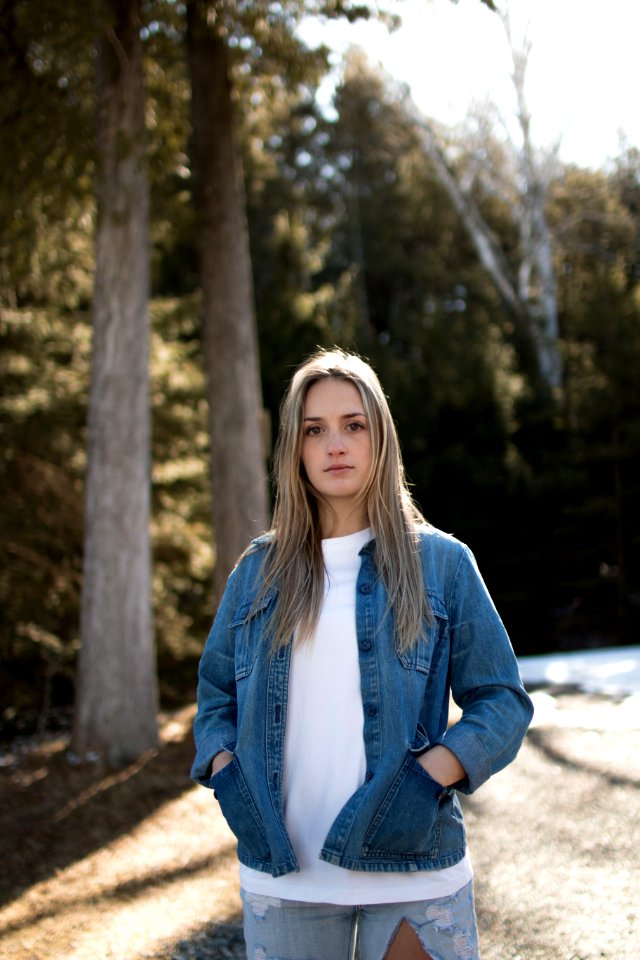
(406, 945)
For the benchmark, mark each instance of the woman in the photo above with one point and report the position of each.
(324, 689)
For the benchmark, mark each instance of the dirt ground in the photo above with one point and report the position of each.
(139, 865)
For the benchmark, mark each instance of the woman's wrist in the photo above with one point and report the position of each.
(442, 765)
(220, 760)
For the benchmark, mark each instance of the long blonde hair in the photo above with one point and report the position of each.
(293, 562)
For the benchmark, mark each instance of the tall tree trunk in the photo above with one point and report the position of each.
(541, 296)
(229, 328)
(116, 700)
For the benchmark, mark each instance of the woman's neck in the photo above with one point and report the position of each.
(342, 523)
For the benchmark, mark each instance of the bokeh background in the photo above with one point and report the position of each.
(518, 406)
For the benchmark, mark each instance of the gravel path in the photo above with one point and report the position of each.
(554, 840)
(139, 865)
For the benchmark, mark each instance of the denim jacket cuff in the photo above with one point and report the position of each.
(471, 753)
(201, 769)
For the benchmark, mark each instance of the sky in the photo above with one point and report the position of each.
(584, 68)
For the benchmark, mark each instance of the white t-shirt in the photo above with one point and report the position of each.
(325, 757)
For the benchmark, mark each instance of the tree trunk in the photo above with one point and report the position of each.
(532, 296)
(491, 257)
(116, 699)
(535, 236)
(229, 329)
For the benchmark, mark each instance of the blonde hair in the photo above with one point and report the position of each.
(294, 560)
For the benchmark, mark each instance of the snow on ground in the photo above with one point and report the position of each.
(613, 672)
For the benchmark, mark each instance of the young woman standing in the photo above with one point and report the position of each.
(323, 695)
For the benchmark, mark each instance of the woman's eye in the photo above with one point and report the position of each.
(355, 426)
(312, 431)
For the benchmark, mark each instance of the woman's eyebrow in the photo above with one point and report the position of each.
(343, 416)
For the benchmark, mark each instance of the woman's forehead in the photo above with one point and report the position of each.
(331, 394)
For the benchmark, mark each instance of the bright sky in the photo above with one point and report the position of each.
(583, 79)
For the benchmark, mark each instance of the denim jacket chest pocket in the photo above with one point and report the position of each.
(250, 626)
(419, 657)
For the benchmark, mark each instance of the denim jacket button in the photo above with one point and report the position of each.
(368, 775)
(371, 711)
(365, 645)
(365, 588)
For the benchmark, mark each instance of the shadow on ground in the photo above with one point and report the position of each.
(152, 882)
(544, 741)
(213, 941)
(53, 813)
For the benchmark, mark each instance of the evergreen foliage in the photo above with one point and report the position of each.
(45, 377)
(355, 242)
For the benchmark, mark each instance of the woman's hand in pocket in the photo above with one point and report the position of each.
(220, 760)
(442, 765)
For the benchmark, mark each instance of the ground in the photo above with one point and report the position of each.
(140, 864)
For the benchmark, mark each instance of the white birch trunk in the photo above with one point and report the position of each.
(537, 276)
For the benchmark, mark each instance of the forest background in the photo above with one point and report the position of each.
(366, 230)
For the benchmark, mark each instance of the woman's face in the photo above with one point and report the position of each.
(336, 443)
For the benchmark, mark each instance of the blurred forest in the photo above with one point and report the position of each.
(355, 240)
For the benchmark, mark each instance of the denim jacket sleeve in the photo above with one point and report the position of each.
(485, 681)
(215, 724)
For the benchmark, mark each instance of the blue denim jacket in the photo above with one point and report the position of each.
(399, 819)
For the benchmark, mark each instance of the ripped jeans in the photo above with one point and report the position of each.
(276, 929)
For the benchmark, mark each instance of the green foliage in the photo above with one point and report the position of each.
(597, 218)
(46, 135)
(174, 268)
(45, 356)
(349, 220)
(353, 242)
(183, 552)
(44, 373)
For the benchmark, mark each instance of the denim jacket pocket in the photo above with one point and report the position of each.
(420, 742)
(240, 812)
(419, 656)
(250, 628)
(409, 820)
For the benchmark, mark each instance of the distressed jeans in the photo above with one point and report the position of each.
(276, 929)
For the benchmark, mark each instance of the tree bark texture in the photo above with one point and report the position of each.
(240, 508)
(116, 699)
(541, 297)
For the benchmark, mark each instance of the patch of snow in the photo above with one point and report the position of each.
(614, 670)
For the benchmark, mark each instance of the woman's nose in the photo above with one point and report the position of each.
(336, 443)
